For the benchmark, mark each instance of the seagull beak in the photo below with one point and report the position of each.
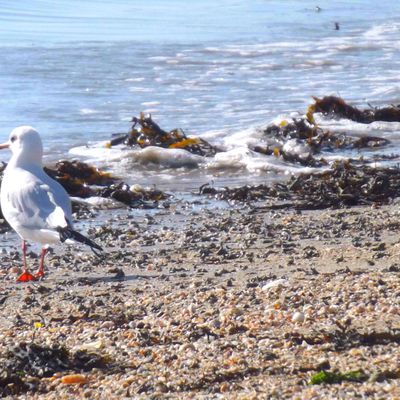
(4, 145)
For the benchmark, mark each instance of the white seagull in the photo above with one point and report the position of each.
(37, 207)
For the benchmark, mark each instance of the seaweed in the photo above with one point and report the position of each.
(76, 176)
(44, 361)
(337, 107)
(307, 133)
(305, 129)
(23, 365)
(138, 198)
(304, 132)
(337, 377)
(346, 184)
(82, 180)
(145, 132)
(81, 171)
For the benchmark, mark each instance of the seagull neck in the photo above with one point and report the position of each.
(26, 162)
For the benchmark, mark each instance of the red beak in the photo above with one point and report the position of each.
(4, 145)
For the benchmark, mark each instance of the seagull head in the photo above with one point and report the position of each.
(25, 145)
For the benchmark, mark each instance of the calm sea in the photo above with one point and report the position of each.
(78, 70)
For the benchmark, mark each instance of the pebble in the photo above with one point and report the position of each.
(278, 283)
(107, 325)
(298, 316)
(15, 270)
(74, 379)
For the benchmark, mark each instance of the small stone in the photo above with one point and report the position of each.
(14, 270)
(186, 347)
(92, 346)
(73, 379)
(224, 387)
(192, 308)
(274, 284)
(298, 317)
(107, 325)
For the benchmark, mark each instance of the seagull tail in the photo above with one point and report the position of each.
(68, 233)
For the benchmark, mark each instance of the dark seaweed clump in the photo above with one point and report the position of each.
(77, 177)
(337, 107)
(306, 131)
(142, 198)
(24, 364)
(44, 361)
(82, 180)
(344, 185)
(145, 132)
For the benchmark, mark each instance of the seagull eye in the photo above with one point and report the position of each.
(13, 139)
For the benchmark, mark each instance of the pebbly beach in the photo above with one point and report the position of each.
(233, 302)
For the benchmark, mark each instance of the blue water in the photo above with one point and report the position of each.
(79, 70)
(161, 21)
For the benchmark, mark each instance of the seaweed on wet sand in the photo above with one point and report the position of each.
(145, 132)
(44, 361)
(82, 180)
(346, 184)
(133, 196)
(25, 364)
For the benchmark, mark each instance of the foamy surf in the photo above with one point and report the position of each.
(169, 158)
(224, 83)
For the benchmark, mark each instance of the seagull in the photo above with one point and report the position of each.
(37, 207)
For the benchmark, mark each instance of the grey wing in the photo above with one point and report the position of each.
(61, 197)
(39, 205)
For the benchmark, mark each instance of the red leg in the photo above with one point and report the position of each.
(40, 271)
(26, 276)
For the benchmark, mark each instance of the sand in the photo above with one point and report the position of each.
(208, 302)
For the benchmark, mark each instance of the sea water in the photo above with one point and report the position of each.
(79, 70)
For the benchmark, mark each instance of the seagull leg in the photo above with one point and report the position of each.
(40, 271)
(26, 276)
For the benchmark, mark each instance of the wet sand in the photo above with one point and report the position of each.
(238, 302)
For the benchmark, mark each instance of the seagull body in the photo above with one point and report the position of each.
(37, 207)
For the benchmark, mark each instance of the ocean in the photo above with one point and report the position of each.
(78, 71)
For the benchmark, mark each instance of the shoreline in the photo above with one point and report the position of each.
(237, 302)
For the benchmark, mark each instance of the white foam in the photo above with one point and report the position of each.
(297, 147)
(88, 111)
(150, 103)
(140, 89)
(243, 137)
(170, 158)
(98, 202)
(158, 58)
(139, 79)
(98, 152)
(234, 159)
(353, 128)
(242, 158)
(150, 110)
(379, 32)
